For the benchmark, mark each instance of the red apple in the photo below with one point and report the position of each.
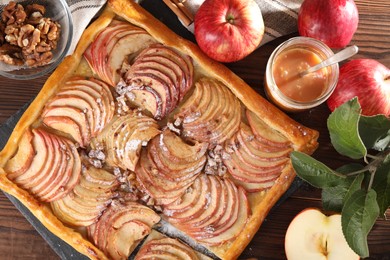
(332, 21)
(367, 79)
(228, 30)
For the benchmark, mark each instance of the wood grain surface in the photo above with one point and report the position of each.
(19, 240)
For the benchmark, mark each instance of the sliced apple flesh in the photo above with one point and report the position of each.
(81, 109)
(85, 203)
(211, 114)
(121, 227)
(313, 235)
(158, 246)
(54, 169)
(123, 138)
(254, 163)
(213, 211)
(165, 73)
(169, 166)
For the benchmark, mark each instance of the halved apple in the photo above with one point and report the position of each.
(123, 137)
(121, 227)
(77, 111)
(313, 235)
(206, 117)
(85, 203)
(111, 47)
(161, 69)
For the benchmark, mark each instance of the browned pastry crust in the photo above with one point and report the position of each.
(302, 138)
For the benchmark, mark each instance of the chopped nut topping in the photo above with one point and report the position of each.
(34, 35)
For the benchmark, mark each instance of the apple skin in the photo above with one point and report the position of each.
(313, 235)
(333, 22)
(228, 30)
(367, 79)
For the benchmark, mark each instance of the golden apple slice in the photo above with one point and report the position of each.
(75, 114)
(112, 45)
(38, 161)
(181, 215)
(158, 246)
(97, 50)
(69, 182)
(85, 203)
(125, 238)
(251, 168)
(23, 157)
(123, 137)
(125, 46)
(171, 58)
(101, 93)
(264, 133)
(49, 176)
(121, 227)
(232, 232)
(206, 117)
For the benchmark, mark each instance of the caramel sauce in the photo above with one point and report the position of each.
(286, 72)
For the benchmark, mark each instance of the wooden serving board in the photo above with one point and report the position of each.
(64, 251)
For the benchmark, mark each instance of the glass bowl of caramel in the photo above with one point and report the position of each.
(35, 36)
(285, 85)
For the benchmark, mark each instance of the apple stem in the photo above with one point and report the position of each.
(230, 18)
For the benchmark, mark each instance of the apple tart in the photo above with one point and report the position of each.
(139, 131)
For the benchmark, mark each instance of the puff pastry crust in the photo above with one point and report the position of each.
(299, 137)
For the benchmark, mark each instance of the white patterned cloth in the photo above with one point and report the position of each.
(280, 16)
(82, 13)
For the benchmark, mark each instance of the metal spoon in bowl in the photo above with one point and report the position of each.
(340, 56)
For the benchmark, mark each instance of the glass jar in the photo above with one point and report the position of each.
(284, 85)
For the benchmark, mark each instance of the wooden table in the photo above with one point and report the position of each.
(19, 240)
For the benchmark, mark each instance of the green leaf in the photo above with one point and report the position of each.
(381, 185)
(343, 130)
(358, 216)
(314, 172)
(333, 197)
(373, 130)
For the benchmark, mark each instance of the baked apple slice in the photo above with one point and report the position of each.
(77, 112)
(158, 246)
(253, 164)
(86, 202)
(216, 217)
(54, 169)
(121, 227)
(181, 64)
(123, 137)
(264, 133)
(163, 69)
(23, 157)
(111, 47)
(165, 174)
(211, 114)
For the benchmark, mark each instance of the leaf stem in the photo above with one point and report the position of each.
(373, 157)
(357, 172)
(371, 178)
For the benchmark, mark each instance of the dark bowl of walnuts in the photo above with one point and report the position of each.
(35, 36)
